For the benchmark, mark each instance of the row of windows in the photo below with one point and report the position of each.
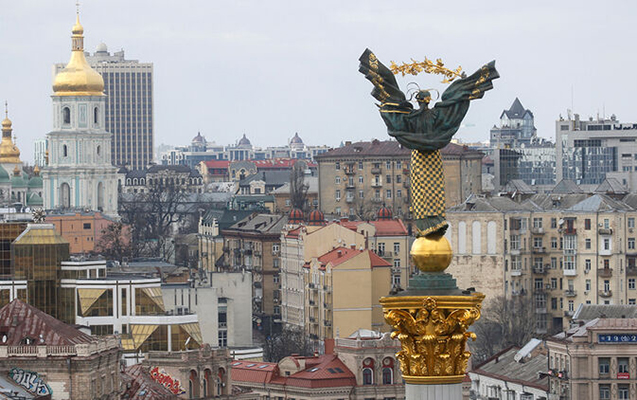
(361, 194)
(377, 180)
(388, 165)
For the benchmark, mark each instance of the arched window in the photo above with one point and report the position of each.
(221, 376)
(65, 151)
(96, 115)
(99, 150)
(368, 371)
(388, 371)
(100, 196)
(206, 383)
(66, 115)
(193, 385)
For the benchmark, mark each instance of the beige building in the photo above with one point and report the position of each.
(253, 244)
(299, 244)
(597, 360)
(559, 250)
(342, 292)
(357, 179)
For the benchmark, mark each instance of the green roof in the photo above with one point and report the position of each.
(35, 182)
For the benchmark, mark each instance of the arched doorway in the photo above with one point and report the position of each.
(65, 196)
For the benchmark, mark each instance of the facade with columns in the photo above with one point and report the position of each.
(79, 172)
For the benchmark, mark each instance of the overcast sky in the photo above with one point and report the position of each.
(272, 68)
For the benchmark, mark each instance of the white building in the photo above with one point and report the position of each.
(79, 173)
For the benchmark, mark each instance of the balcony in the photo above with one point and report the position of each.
(377, 184)
(570, 293)
(569, 313)
(605, 293)
(570, 272)
(312, 286)
(539, 250)
(349, 171)
(570, 231)
(537, 230)
(516, 272)
(377, 199)
(349, 199)
(540, 310)
(539, 270)
(631, 271)
(518, 292)
(605, 231)
(376, 171)
(327, 323)
(604, 272)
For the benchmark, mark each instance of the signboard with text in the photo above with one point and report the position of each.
(605, 338)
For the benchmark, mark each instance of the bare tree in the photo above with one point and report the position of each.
(114, 244)
(298, 187)
(505, 322)
(289, 341)
(154, 217)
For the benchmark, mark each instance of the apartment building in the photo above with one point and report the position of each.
(342, 292)
(357, 179)
(597, 360)
(253, 244)
(559, 250)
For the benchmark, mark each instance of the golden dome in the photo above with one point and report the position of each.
(78, 78)
(9, 153)
(36, 170)
(431, 253)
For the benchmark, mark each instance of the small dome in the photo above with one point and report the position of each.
(35, 182)
(17, 181)
(6, 124)
(78, 29)
(34, 200)
(199, 138)
(296, 139)
(316, 218)
(296, 216)
(244, 141)
(384, 213)
(101, 48)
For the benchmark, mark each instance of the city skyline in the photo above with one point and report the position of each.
(293, 67)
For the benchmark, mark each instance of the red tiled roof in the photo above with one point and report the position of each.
(320, 372)
(19, 320)
(387, 227)
(293, 233)
(338, 256)
(217, 164)
(276, 163)
(251, 371)
(377, 261)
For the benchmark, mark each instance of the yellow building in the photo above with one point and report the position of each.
(343, 288)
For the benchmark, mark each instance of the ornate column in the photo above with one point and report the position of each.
(431, 319)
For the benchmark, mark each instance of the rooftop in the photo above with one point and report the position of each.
(504, 366)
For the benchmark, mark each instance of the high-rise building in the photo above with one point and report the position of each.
(593, 150)
(128, 85)
(79, 173)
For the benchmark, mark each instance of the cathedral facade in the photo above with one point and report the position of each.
(79, 173)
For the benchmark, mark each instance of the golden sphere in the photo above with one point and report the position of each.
(431, 253)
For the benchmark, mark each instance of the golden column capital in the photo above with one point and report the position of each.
(433, 334)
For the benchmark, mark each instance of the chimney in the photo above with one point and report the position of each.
(339, 253)
(353, 246)
(348, 142)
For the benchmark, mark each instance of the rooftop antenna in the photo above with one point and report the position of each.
(6, 109)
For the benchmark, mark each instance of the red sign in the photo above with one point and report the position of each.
(623, 375)
(168, 381)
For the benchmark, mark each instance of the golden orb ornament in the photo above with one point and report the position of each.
(431, 253)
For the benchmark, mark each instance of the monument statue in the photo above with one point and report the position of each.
(425, 130)
(431, 318)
